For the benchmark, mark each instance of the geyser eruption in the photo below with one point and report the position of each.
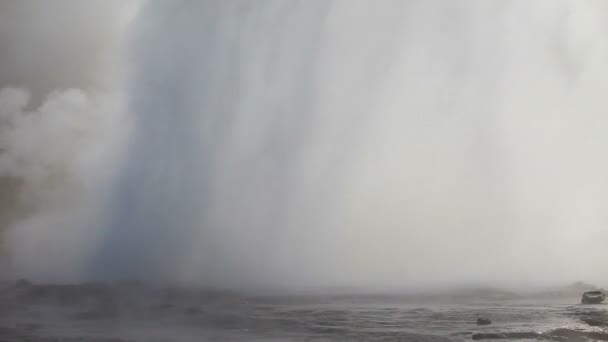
(221, 118)
(393, 143)
(304, 143)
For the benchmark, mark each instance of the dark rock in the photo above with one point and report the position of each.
(593, 322)
(593, 297)
(68, 295)
(28, 326)
(90, 315)
(503, 336)
(23, 283)
(561, 334)
(593, 318)
(483, 321)
(164, 306)
(191, 311)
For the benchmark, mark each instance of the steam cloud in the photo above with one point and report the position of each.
(60, 116)
(309, 143)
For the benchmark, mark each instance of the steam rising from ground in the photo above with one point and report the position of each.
(331, 143)
(60, 118)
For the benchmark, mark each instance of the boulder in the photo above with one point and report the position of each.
(23, 283)
(483, 321)
(593, 297)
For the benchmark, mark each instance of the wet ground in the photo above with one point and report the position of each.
(132, 312)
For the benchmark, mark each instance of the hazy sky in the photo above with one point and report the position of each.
(305, 143)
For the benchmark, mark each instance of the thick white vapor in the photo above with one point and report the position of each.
(61, 118)
(393, 143)
(300, 143)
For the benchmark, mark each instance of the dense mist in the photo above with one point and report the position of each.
(61, 117)
(301, 144)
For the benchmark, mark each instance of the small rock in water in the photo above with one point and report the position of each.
(193, 311)
(507, 336)
(483, 321)
(593, 297)
(23, 283)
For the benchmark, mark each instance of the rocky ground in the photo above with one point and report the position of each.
(130, 311)
(99, 312)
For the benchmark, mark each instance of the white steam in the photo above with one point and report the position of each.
(374, 144)
(309, 142)
(58, 154)
(61, 120)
